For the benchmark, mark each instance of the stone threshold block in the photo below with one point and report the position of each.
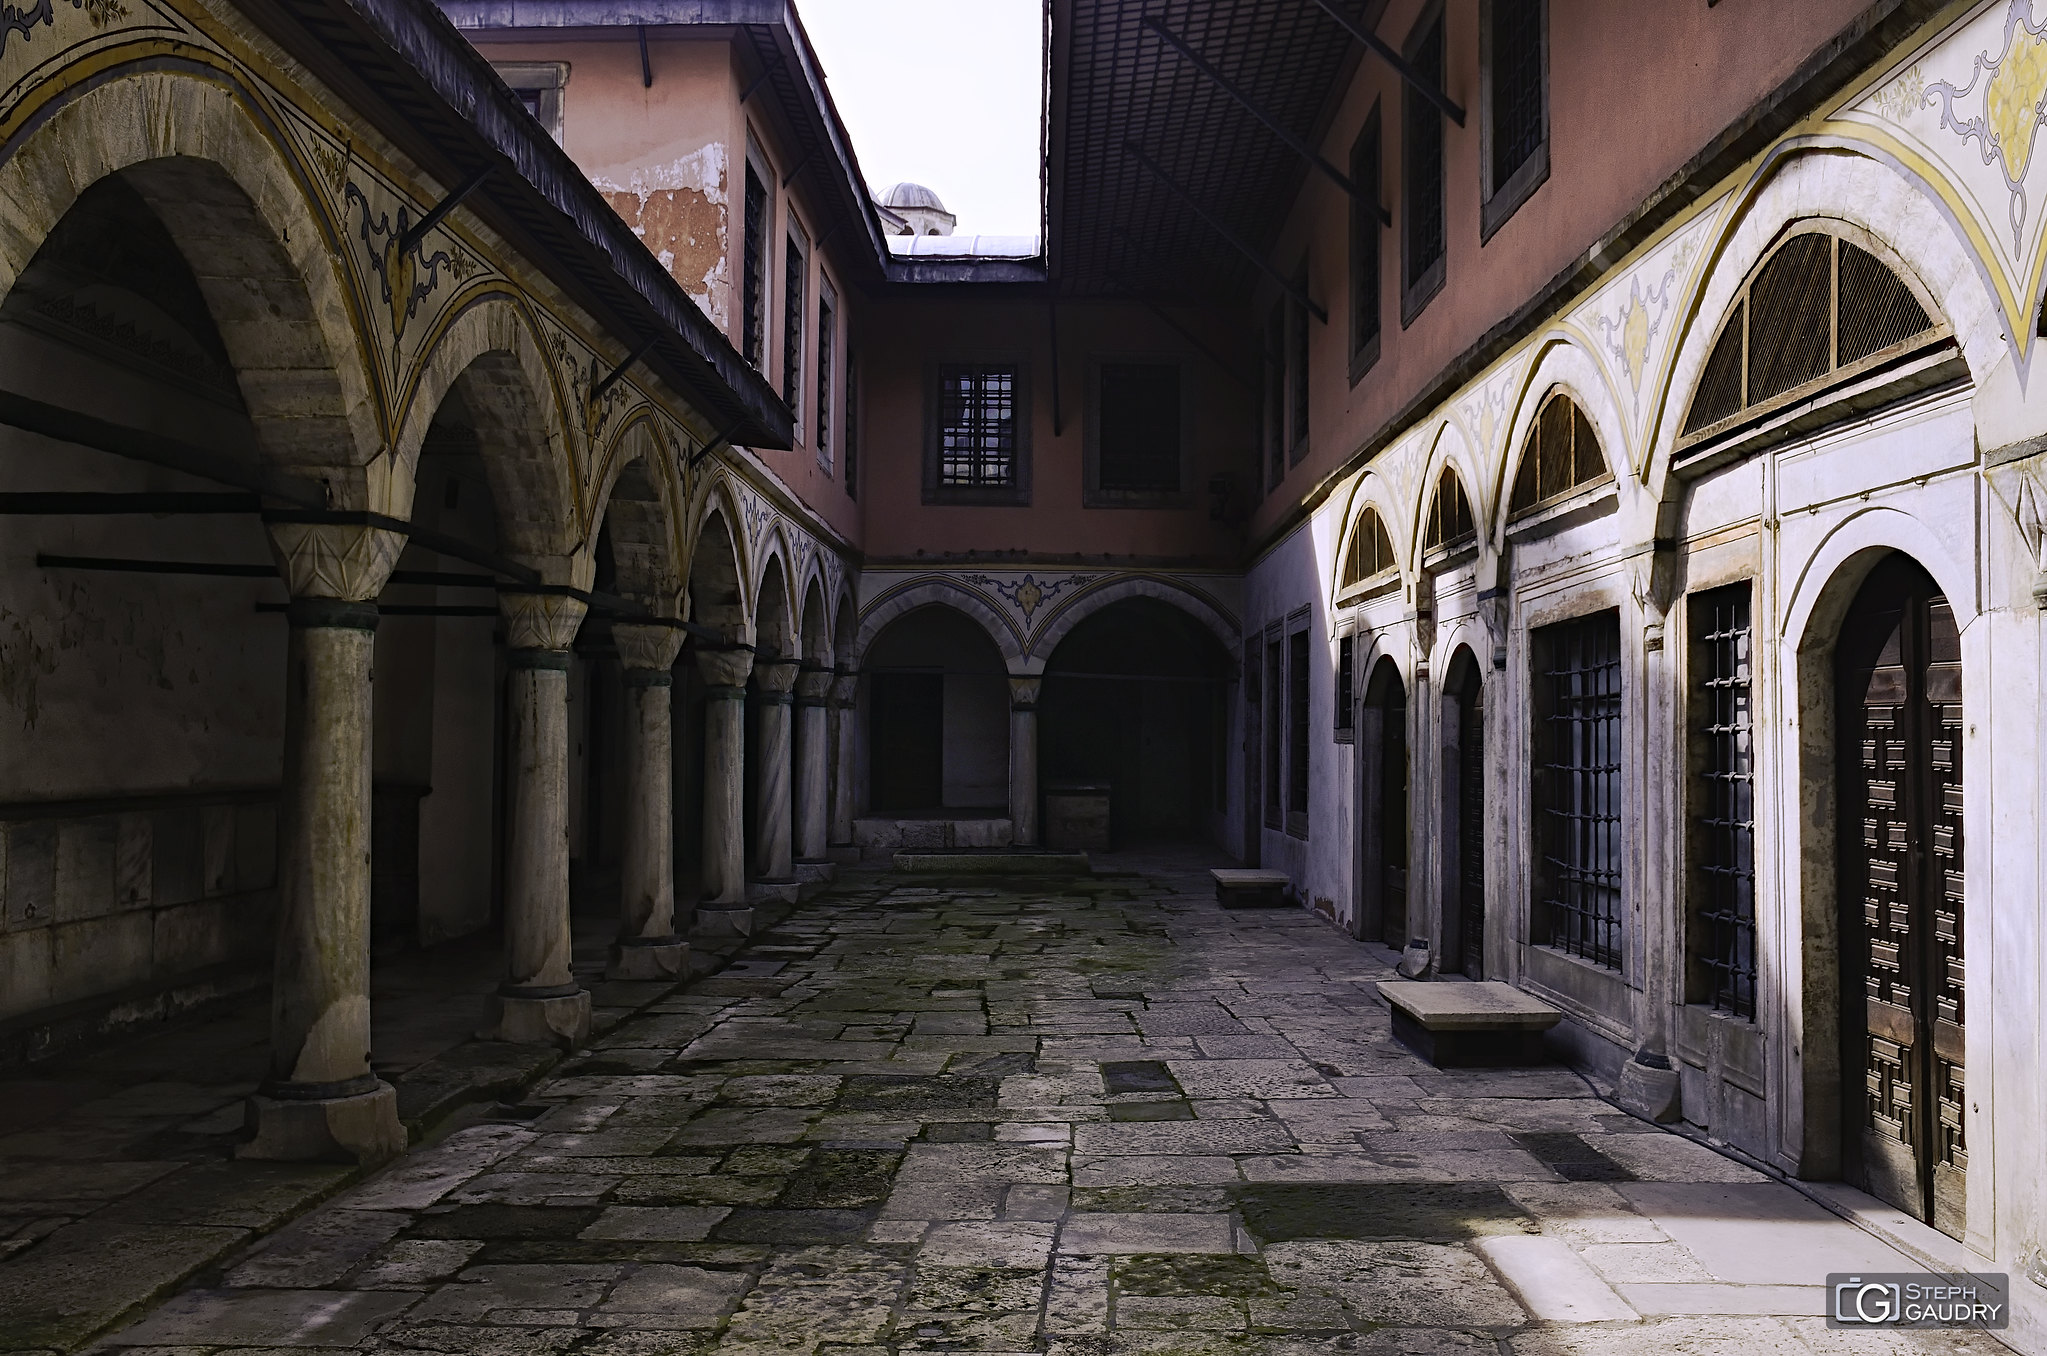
(1470, 1026)
(1017, 863)
(1236, 888)
(774, 891)
(659, 959)
(714, 925)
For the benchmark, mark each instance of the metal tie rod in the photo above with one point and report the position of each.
(1421, 83)
(1286, 284)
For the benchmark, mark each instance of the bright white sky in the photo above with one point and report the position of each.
(945, 93)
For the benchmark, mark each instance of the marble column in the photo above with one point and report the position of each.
(648, 947)
(1649, 1084)
(813, 759)
(773, 862)
(539, 1000)
(845, 692)
(724, 902)
(1023, 759)
(320, 1099)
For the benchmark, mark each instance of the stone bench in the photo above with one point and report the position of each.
(1239, 889)
(1456, 1025)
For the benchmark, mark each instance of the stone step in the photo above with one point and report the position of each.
(996, 862)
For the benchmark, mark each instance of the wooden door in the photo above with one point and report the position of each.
(1393, 812)
(1900, 692)
(906, 725)
(1471, 830)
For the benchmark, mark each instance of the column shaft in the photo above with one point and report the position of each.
(647, 947)
(813, 761)
(842, 721)
(1023, 760)
(537, 948)
(724, 778)
(773, 858)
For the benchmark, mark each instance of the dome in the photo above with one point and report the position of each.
(911, 196)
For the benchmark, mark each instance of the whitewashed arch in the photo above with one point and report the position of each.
(936, 590)
(1814, 181)
(1374, 490)
(1869, 533)
(1562, 364)
(1453, 449)
(1077, 609)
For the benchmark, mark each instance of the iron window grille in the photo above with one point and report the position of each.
(1450, 521)
(1724, 919)
(1297, 370)
(1818, 311)
(1514, 119)
(1364, 247)
(794, 278)
(1371, 550)
(977, 448)
(1346, 688)
(754, 273)
(1297, 732)
(852, 441)
(1423, 235)
(1577, 788)
(1135, 437)
(827, 329)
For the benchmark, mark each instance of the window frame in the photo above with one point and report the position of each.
(1274, 686)
(1452, 543)
(1381, 580)
(1092, 493)
(1018, 492)
(1367, 247)
(1300, 721)
(1416, 292)
(825, 385)
(1542, 504)
(1344, 724)
(1299, 395)
(1713, 960)
(1550, 924)
(756, 268)
(545, 78)
(795, 317)
(1500, 199)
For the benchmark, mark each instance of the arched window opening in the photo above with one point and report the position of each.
(1562, 454)
(1450, 521)
(1371, 550)
(1818, 310)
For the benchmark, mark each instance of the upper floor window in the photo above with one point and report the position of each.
(1819, 309)
(753, 280)
(1422, 231)
(827, 343)
(539, 86)
(1297, 369)
(1450, 522)
(1513, 61)
(1346, 688)
(1562, 454)
(852, 423)
(1272, 396)
(795, 274)
(1371, 550)
(1134, 434)
(979, 436)
(1364, 247)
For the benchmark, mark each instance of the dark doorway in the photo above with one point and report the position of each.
(1464, 816)
(906, 731)
(1384, 831)
(1130, 699)
(1899, 680)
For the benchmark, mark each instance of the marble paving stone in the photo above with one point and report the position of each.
(995, 1243)
(1100, 1234)
(274, 1318)
(1428, 1284)
(674, 1223)
(318, 1250)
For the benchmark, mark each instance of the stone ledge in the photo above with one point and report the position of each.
(1454, 1025)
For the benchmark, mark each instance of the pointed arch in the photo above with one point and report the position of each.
(716, 597)
(774, 605)
(922, 592)
(1371, 515)
(247, 223)
(814, 632)
(1563, 366)
(636, 516)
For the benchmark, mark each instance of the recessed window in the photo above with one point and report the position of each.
(1275, 726)
(1820, 309)
(1562, 454)
(1273, 396)
(1422, 231)
(795, 275)
(1364, 247)
(978, 444)
(1371, 550)
(827, 334)
(1722, 932)
(1577, 874)
(1297, 369)
(1513, 64)
(1297, 733)
(753, 301)
(1135, 435)
(1450, 522)
(852, 424)
(539, 85)
(1346, 690)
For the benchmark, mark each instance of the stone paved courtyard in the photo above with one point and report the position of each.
(1069, 1116)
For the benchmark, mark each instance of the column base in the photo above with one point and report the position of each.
(722, 923)
(659, 958)
(844, 854)
(562, 1021)
(1649, 1091)
(780, 891)
(361, 1129)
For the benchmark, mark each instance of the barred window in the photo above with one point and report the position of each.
(1346, 690)
(1577, 787)
(754, 275)
(1364, 247)
(1137, 428)
(1422, 169)
(1723, 926)
(1371, 550)
(1450, 519)
(827, 331)
(1297, 732)
(1514, 119)
(794, 276)
(977, 426)
(1562, 454)
(852, 423)
(1820, 309)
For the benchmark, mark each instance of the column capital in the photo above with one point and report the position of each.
(348, 562)
(845, 689)
(775, 674)
(724, 668)
(814, 685)
(540, 621)
(642, 645)
(1023, 691)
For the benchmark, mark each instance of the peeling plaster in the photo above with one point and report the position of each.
(678, 210)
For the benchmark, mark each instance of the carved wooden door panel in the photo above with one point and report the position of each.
(1901, 893)
(1471, 829)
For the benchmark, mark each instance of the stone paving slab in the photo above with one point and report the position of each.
(1190, 1132)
